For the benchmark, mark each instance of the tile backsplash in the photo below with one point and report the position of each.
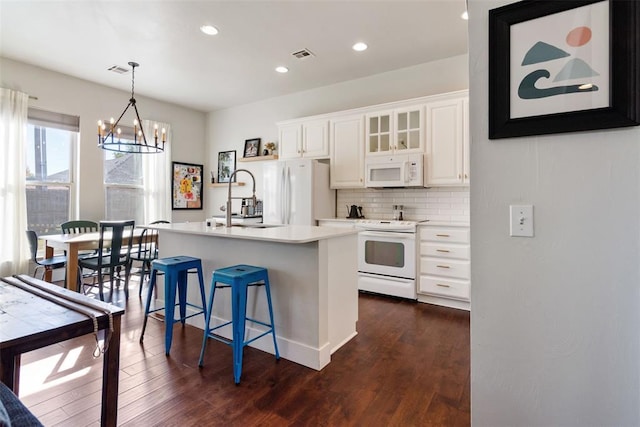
(435, 204)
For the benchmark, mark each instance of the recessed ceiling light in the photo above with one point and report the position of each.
(465, 15)
(359, 47)
(282, 69)
(209, 30)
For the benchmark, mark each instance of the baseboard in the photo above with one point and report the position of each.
(446, 302)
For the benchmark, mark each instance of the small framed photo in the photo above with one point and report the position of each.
(563, 66)
(186, 186)
(252, 147)
(226, 165)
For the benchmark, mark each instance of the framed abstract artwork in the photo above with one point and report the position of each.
(186, 185)
(563, 66)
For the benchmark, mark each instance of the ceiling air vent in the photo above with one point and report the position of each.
(118, 69)
(304, 53)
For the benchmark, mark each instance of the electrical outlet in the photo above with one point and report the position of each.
(521, 220)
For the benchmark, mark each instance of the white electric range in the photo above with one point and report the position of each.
(387, 257)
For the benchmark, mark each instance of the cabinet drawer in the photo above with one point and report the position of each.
(447, 288)
(445, 250)
(445, 267)
(452, 235)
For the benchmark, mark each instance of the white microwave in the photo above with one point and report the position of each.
(402, 170)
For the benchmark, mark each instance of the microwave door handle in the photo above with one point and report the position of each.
(407, 171)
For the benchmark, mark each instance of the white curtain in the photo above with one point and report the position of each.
(156, 171)
(13, 200)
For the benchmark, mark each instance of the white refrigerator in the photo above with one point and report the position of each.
(296, 192)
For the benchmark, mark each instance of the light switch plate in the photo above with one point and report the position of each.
(521, 220)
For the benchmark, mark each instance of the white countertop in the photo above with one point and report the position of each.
(282, 234)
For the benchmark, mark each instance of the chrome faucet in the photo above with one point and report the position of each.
(228, 209)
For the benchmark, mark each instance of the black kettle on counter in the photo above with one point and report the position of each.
(355, 212)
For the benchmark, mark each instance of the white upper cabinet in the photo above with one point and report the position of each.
(290, 141)
(395, 131)
(347, 151)
(308, 139)
(447, 142)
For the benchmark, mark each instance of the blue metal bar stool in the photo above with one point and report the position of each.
(175, 276)
(238, 278)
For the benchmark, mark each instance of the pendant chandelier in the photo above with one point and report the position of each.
(109, 134)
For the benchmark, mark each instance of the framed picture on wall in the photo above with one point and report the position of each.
(226, 165)
(252, 147)
(563, 66)
(186, 186)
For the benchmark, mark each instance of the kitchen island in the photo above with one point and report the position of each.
(313, 275)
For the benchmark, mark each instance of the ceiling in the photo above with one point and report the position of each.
(181, 65)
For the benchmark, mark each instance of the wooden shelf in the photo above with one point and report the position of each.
(226, 184)
(258, 158)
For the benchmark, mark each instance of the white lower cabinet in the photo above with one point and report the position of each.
(444, 267)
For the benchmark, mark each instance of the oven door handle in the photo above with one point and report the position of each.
(389, 234)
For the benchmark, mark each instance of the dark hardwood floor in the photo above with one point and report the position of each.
(409, 365)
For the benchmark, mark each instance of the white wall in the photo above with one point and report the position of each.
(555, 319)
(228, 129)
(65, 94)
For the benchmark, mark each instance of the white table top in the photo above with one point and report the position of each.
(283, 234)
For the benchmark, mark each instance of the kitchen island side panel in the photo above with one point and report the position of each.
(300, 289)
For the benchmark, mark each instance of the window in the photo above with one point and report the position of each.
(52, 138)
(124, 184)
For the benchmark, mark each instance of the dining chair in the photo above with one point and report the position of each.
(145, 252)
(79, 226)
(114, 254)
(46, 264)
(146, 256)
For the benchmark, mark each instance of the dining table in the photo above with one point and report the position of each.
(72, 244)
(36, 314)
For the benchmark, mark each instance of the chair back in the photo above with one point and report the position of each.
(118, 251)
(33, 244)
(161, 221)
(147, 250)
(80, 226)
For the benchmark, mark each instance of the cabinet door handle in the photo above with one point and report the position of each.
(459, 176)
(442, 285)
(442, 250)
(466, 176)
(443, 266)
(442, 235)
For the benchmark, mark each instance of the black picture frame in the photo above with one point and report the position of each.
(186, 186)
(252, 147)
(226, 165)
(623, 107)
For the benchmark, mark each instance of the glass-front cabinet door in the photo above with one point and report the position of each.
(408, 131)
(379, 132)
(395, 131)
